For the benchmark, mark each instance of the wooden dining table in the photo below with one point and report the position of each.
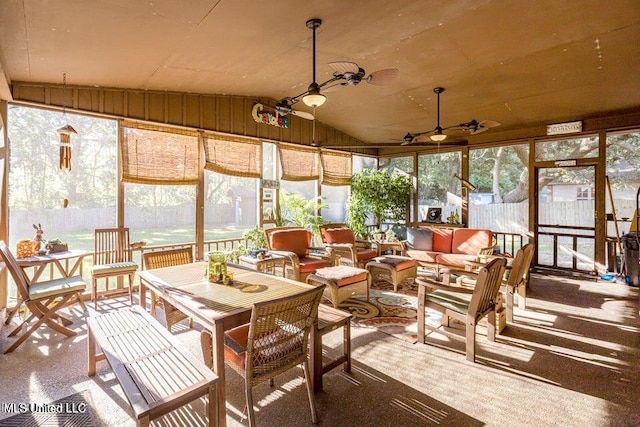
(216, 306)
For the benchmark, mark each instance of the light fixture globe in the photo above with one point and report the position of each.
(314, 98)
(438, 135)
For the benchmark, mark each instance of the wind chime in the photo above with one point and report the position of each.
(65, 132)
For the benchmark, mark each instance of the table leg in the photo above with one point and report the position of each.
(315, 359)
(143, 295)
(218, 369)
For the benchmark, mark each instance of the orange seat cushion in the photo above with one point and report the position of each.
(423, 256)
(235, 345)
(340, 235)
(366, 254)
(470, 240)
(442, 238)
(296, 241)
(307, 265)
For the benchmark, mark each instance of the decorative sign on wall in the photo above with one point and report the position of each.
(270, 183)
(562, 128)
(269, 117)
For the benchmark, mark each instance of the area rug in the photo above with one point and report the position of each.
(75, 410)
(394, 314)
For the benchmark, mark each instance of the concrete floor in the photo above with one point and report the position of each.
(570, 359)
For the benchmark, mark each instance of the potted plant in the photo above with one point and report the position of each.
(296, 210)
(377, 195)
(256, 238)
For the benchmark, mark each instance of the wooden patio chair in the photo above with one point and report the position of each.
(44, 299)
(340, 240)
(167, 258)
(112, 257)
(293, 243)
(468, 306)
(515, 280)
(273, 342)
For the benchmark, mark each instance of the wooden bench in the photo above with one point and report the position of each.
(155, 372)
(329, 319)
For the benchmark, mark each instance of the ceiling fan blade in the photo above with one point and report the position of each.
(478, 130)
(489, 123)
(422, 138)
(302, 114)
(342, 67)
(383, 77)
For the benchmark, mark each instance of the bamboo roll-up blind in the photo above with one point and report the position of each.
(336, 168)
(159, 155)
(232, 155)
(299, 163)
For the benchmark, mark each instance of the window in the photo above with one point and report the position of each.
(69, 204)
(501, 178)
(585, 193)
(437, 186)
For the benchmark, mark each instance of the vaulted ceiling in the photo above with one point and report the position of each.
(524, 64)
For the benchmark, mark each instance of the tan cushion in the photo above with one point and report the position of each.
(296, 241)
(54, 287)
(343, 275)
(452, 300)
(118, 267)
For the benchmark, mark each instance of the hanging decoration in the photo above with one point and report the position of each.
(65, 146)
(65, 131)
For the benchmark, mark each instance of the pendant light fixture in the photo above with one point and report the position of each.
(314, 98)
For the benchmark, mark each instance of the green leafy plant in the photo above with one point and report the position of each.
(256, 237)
(296, 210)
(234, 254)
(378, 195)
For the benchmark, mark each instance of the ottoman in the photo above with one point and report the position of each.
(342, 282)
(393, 268)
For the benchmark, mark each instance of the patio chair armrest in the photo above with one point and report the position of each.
(292, 257)
(429, 285)
(344, 250)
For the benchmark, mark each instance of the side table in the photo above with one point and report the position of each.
(395, 247)
(266, 265)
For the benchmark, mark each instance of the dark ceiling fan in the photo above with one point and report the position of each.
(437, 134)
(345, 74)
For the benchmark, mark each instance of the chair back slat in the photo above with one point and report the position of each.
(167, 258)
(279, 333)
(487, 287)
(521, 265)
(112, 245)
(18, 274)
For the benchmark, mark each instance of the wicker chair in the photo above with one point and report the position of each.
(468, 306)
(293, 244)
(340, 240)
(167, 258)
(273, 342)
(112, 257)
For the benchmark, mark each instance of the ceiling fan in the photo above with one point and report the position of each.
(437, 134)
(345, 74)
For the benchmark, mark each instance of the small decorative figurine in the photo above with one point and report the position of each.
(37, 240)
